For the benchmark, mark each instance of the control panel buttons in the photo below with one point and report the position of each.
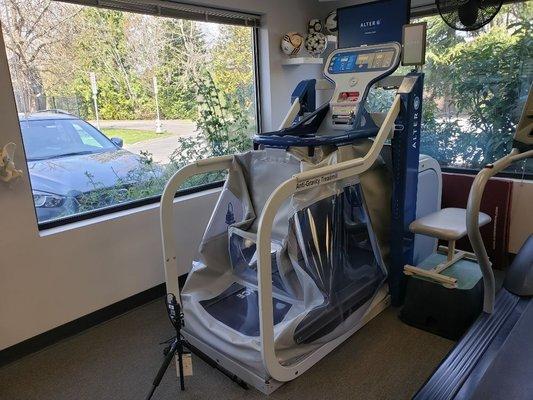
(348, 97)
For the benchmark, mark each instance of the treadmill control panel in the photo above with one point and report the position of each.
(353, 70)
(361, 61)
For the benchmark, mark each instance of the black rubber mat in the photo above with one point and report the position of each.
(510, 375)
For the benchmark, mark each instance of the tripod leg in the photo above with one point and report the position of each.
(180, 364)
(163, 369)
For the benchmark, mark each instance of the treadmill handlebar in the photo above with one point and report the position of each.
(472, 221)
(168, 234)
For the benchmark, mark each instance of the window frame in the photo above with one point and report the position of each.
(55, 223)
(526, 176)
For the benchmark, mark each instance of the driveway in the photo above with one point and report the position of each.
(160, 148)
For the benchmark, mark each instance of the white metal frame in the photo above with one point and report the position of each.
(168, 235)
(472, 221)
(301, 181)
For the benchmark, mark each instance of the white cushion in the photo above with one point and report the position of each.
(446, 224)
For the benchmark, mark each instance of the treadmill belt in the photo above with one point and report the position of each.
(493, 360)
(510, 375)
(238, 308)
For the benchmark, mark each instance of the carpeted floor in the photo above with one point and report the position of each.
(118, 360)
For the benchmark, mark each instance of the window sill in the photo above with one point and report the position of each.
(116, 215)
(528, 176)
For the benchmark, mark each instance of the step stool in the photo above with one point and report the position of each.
(444, 292)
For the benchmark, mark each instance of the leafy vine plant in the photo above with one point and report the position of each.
(222, 126)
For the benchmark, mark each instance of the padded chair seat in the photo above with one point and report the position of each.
(446, 224)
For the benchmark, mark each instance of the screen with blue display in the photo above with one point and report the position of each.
(361, 61)
(372, 23)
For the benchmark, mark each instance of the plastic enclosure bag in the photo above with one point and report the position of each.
(335, 247)
(326, 264)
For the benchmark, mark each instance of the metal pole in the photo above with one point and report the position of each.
(94, 88)
(158, 126)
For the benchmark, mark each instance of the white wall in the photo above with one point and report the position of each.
(69, 272)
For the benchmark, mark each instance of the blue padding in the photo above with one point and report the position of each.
(306, 95)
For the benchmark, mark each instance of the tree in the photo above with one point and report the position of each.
(120, 92)
(474, 86)
(183, 60)
(232, 66)
(222, 126)
(34, 30)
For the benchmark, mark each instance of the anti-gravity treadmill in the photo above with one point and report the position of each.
(295, 256)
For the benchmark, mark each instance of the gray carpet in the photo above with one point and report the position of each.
(117, 360)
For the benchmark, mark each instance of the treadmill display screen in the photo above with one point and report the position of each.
(361, 61)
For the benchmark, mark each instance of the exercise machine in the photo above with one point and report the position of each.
(493, 360)
(309, 235)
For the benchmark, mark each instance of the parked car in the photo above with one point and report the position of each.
(73, 166)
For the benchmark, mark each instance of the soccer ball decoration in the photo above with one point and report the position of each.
(331, 23)
(291, 43)
(316, 43)
(314, 26)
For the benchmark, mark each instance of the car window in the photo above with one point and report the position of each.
(86, 137)
(49, 138)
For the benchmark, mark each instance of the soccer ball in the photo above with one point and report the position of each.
(331, 22)
(314, 26)
(316, 43)
(291, 43)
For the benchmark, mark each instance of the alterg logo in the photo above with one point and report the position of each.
(370, 24)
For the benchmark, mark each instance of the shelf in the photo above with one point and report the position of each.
(302, 61)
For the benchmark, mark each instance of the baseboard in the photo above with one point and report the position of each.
(50, 337)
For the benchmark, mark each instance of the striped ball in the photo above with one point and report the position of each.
(291, 43)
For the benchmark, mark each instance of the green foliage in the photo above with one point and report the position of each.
(475, 88)
(232, 67)
(119, 92)
(146, 181)
(221, 124)
(181, 61)
(475, 85)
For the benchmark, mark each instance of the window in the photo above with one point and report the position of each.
(112, 103)
(475, 87)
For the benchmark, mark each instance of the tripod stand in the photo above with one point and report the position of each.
(176, 318)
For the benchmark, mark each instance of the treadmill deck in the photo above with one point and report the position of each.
(493, 360)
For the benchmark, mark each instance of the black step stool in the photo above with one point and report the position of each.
(444, 292)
